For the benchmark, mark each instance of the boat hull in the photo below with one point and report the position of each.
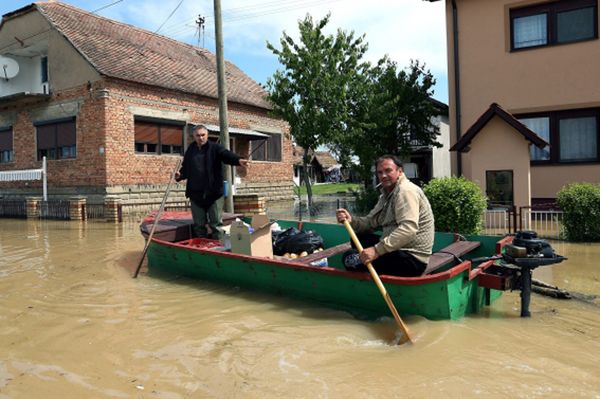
(450, 294)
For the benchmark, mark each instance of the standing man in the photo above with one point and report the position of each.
(404, 215)
(202, 167)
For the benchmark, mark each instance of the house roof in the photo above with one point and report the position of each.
(126, 52)
(297, 154)
(325, 159)
(495, 110)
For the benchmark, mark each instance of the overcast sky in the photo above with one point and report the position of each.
(403, 29)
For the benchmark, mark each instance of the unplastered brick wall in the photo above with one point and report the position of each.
(106, 159)
(126, 168)
(88, 168)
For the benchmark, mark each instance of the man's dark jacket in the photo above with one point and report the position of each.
(214, 157)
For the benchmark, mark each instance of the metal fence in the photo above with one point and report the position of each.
(55, 209)
(547, 223)
(95, 211)
(13, 209)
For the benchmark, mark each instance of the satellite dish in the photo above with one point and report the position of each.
(9, 68)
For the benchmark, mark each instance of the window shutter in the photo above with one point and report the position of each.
(146, 133)
(6, 140)
(171, 135)
(46, 137)
(66, 134)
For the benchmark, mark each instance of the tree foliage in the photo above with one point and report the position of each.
(329, 96)
(312, 92)
(397, 113)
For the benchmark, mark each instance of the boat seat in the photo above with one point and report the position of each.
(448, 254)
(326, 253)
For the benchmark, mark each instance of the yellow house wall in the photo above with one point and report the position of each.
(551, 78)
(500, 147)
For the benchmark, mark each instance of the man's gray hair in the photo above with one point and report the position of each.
(199, 127)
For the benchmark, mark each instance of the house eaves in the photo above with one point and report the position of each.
(462, 145)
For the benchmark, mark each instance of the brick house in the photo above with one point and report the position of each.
(538, 60)
(111, 107)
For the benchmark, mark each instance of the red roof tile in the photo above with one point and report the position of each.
(125, 52)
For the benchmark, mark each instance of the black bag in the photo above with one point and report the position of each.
(296, 241)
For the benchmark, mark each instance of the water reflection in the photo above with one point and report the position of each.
(322, 209)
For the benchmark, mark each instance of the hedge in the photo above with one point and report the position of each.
(457, 204)
(580, 203)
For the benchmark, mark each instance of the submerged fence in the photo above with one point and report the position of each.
(75, 208)
(499, 221)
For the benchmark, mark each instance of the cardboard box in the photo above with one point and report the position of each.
(257, 242)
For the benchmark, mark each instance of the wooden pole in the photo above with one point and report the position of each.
(222, 90)
(157, 217)
(405, 334)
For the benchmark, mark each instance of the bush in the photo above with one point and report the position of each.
(580, 203)
(365, 200)
(457, 204)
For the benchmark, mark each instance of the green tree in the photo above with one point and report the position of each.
(395, 114)
(313, 91)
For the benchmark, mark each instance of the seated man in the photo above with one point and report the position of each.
(404, 215)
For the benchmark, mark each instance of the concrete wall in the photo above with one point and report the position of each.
(499, 147)
(441, 156)
(66, 67)
(552, 78)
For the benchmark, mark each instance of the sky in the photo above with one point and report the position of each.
(405, 30)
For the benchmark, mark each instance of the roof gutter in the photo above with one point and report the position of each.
(457, 105)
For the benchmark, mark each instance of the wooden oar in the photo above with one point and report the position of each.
(157, 217)
(405, 335)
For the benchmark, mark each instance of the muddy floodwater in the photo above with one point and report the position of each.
(74, 324)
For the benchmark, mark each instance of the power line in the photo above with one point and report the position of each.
(170, 15)
(258, 10)
(106, 6)
(187, 29)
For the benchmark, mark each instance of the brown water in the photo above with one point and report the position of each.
(74, 324)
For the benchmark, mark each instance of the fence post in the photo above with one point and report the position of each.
(77, 207)
(112, 208)
(32, 207)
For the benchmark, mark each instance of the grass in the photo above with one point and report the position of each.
(330, 188)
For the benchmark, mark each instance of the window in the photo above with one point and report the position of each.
(541, 126)
(268, 149)
(44, 69)
(56, 139)
(573, 136)
(499, 187)
(158, 137)
(558, 22)
(6, 145)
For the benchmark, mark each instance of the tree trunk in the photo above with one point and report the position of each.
(306, 180)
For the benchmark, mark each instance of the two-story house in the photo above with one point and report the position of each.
(538, 61)
(110, 106)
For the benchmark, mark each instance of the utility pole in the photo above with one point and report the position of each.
(223, 120)
(200, 21)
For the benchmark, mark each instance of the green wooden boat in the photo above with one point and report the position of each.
(451, 291)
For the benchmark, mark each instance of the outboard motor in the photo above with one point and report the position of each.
(527, 252)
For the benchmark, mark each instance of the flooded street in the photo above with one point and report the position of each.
(74, 324)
